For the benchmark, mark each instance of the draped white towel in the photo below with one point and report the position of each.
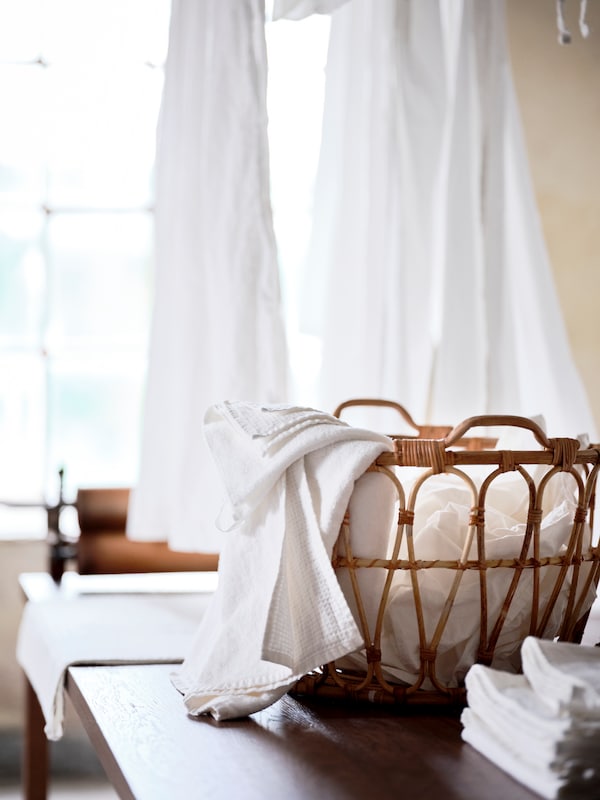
(278, 611)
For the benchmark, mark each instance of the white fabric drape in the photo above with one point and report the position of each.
(300, 9)
(427, 277)
(217, 332)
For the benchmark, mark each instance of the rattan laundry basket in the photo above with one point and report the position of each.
(539, 589)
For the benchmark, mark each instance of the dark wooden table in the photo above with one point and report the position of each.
(294, 750)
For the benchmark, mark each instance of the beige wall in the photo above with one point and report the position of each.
(15, 557)
(558, 88)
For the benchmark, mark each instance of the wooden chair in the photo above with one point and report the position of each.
(103, 546)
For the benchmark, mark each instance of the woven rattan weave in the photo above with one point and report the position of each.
(558, 586)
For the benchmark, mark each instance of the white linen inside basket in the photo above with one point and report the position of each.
(372, 511)
(441, 531)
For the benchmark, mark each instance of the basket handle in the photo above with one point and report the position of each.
(491, 420)
(369, 401)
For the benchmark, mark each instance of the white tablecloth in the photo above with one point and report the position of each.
(133, 622)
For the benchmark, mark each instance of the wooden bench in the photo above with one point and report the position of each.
(295, 749)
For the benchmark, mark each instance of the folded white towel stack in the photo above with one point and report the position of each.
(542, 727)
(566, 675)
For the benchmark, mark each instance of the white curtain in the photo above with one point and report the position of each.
(427, 277)
(217, 330)
(300, 9)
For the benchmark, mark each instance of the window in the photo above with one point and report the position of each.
(80, 87)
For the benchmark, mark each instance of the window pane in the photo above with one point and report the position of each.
(95, 413)
(111, 30)
(20, 30)
(22, 279)
(100, 280)
(22, 426)
(22, 139)
(101, 135)
(80, 90)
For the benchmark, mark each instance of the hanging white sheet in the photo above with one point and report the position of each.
(427, 276)
(217, 331)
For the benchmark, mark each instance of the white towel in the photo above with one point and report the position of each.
(274, 424)
(480, 736)
(279, 610)
(95, 629)
(565, 675)
(524, 721)
(508, 721)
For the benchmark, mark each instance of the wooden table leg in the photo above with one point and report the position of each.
(35, 749)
